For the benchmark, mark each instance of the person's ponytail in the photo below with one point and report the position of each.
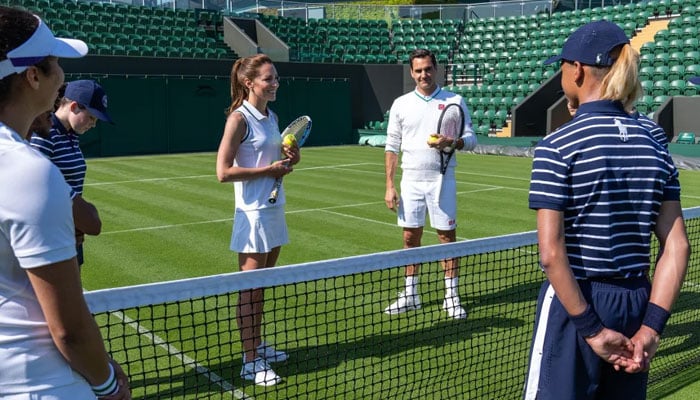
(238, 91)
(622, 80)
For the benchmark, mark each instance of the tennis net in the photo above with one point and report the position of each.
(179, 339)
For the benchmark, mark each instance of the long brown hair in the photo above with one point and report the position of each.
(244, 68)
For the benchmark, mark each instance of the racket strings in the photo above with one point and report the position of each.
(451, 124)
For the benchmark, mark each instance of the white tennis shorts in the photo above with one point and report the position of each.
(259, 231)
(417, 197)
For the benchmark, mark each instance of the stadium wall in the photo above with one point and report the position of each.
(167, 105)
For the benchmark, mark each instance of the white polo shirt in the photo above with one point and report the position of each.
(261, 146)
(36, 229)
(412, 118)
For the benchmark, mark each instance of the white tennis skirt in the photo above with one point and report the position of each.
(259, 231)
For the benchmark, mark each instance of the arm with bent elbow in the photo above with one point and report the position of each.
(610, 345)
(85, 216)
(671, 267)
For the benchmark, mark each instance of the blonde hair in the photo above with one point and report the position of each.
(244, 68)
(621, 80)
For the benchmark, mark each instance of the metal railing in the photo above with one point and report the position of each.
(486, 9)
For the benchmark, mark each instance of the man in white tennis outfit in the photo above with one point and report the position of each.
(413, 118)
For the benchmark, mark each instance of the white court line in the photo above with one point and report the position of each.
(212, 221)
(151, 228)
(493, 176)
(374, 221)
(209, 175)
(172, 178)
(174, 352)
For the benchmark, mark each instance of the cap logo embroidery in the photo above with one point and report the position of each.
(598, 59)
(104, 101)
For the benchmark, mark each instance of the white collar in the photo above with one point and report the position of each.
(10, 133)
(429, 97)
(254, 111)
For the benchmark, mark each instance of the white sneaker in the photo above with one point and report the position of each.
(453, 308)
(403, 304)
(270, 354)
(260, 371)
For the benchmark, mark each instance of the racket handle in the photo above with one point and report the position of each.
(275, 191)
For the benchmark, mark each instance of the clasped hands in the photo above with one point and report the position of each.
(629, 355)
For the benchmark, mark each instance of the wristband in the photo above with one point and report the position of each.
(110, 386)
(587, 323)
(656, 318)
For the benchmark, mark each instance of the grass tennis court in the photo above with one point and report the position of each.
(167, 217)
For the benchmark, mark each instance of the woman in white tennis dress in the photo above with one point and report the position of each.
(249, 156)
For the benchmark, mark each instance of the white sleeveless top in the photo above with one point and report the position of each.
(261, 146)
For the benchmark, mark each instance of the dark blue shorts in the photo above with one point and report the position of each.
(563, 366)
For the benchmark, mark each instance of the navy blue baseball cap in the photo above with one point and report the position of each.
(695, 80)
(90, 95)
(592, 44)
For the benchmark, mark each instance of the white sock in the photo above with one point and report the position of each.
(451, 287)
(411, 285)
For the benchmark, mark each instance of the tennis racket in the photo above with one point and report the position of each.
(297, 131)
(450, 125)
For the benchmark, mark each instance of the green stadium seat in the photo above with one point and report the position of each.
(675, 72)
(645, 103)
(689, 10)
(686, 138)
(676, 6)
(677, 87)
(691, 44)
(676, 58)
(661, 72)
(691, 90)
(658, 100)
(348, 58)
(662, 34)
(132, 50)
(648, 48)
(661, 59)
(118, 50)
(691, 58)
(692, 70)
(661, 87)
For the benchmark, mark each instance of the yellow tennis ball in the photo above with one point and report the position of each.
(433, 139)
(289, 140)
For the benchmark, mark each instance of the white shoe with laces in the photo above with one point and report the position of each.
(270, 354)
(403, 304)
(453, 308)
(260, 372)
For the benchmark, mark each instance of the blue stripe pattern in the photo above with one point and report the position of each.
(63, 149)
(608, 175)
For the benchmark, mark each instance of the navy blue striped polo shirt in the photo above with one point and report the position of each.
(655, 130)
(63, 149)
(608, 175)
